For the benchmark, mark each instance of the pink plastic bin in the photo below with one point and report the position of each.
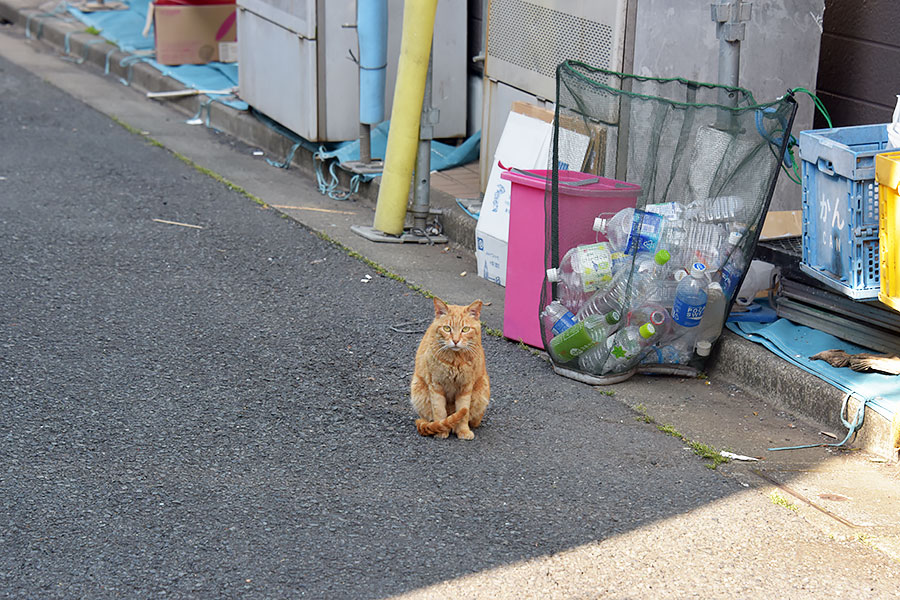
(578, 206)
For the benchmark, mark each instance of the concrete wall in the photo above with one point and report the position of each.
(780, 51)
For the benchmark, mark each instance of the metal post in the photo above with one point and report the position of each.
(730, 17)
(422, 190)
(420, 209)
(365, 143)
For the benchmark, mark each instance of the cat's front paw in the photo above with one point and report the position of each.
(465, 435)
(442, 435)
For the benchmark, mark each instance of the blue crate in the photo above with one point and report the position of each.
(840, 207)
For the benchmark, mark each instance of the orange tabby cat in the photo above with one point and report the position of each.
(450, 377)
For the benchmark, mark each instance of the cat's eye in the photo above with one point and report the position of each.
(446, 328)
(466, 329)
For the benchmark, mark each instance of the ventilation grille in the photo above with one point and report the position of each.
(537, 39)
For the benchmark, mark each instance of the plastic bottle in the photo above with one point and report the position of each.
(690, 298)
(631, 230)
(720, 209)
(582, 271)
(585, 334)
(556, 318)
(627, 286)
(664, 291)
(664, 355)
(670, 210)
(677, 352)
(651, 312)
(714, 315)
(620, 352)
(734, 265)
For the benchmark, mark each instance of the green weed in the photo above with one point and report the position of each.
(670, 430)
(704, 451)
(780, 500)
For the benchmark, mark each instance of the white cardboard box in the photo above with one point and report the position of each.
(523, 144)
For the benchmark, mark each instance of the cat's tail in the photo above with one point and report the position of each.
(443, 426)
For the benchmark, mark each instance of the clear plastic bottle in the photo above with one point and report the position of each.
(733, 269)
(631, 230)
(677, 352)
(585, 334)
(582, 271)
(670, 210)
(664, 291)
(651, 312)
(714, 315)
(690, 298)
(620, 352)
(556, 318)
(720, 209)
(628, 286)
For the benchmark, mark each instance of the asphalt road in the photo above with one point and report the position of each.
(221, 411)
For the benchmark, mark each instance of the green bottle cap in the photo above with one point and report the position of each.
(647, 330)
(662, 257)
(613, 317)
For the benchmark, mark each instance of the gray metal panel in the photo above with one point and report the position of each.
(450, 63)
(299, 16)
(527, 40)
(338, 90)
(280, 73)
(284, 89)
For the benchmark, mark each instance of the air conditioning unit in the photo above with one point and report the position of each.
(296, 65)
(526, 40)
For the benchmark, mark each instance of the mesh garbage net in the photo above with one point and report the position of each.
(647, 286)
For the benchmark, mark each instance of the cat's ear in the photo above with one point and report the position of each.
(474, 309)
(440, 307)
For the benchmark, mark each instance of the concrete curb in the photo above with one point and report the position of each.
(736, 360)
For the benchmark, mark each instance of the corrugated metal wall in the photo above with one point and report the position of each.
(859, 61)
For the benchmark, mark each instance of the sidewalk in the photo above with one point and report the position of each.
(752, 399)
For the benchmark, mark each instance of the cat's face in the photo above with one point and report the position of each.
(458, 328)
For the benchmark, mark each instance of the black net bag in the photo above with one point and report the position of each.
(647, 286)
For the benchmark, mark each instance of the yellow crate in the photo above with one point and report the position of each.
(887, 174)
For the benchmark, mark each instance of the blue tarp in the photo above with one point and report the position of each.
(443, 156)
(796, 343)
(125, 29)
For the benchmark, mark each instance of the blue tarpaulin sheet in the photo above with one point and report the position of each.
(443, 156)
(125, 29)
(796, 343)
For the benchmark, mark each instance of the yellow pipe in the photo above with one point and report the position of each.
(403, 136)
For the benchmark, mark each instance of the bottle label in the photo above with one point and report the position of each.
(645, 231)
(595, 262)
(730, 277)
(686, 314)
(563, 323)
(571, 343)
(669, 210)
